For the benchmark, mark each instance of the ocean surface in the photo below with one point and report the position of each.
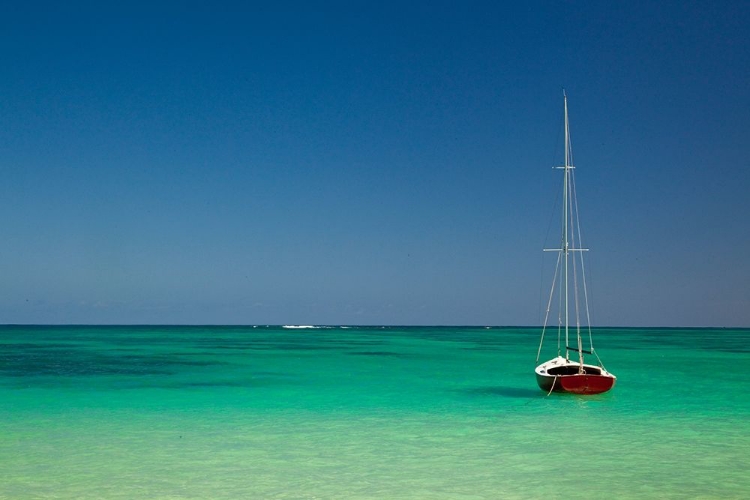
(366, 413)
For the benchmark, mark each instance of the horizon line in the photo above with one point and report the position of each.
(300, 326)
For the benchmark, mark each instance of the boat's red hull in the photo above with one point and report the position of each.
(576, 384)
(587, 384)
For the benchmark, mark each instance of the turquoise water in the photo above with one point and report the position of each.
(354, 413)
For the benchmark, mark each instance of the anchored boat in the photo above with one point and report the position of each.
(561, 373)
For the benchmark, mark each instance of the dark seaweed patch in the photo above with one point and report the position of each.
(165, 360)
(255, 381)
(244, 383)
(375, 353)
(23, 360)
(202, 385)
(29, 346)
(285, 346)
(71, 366)
(263, 346)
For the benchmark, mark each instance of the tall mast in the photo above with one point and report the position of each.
(568, 212)
(565, 220)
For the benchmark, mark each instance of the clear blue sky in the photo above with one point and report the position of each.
(370, 162)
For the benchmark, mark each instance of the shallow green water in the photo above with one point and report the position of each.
(348, 413)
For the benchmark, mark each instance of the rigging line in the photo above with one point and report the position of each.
(552, 215)
(541, 286)
(562, 293)
(576, 299)
(559, 128)
(575, 268)
(546, 316)
(570, 147)
(583, 277)
(559, 317)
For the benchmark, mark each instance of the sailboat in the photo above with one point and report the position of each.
(564, 373)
